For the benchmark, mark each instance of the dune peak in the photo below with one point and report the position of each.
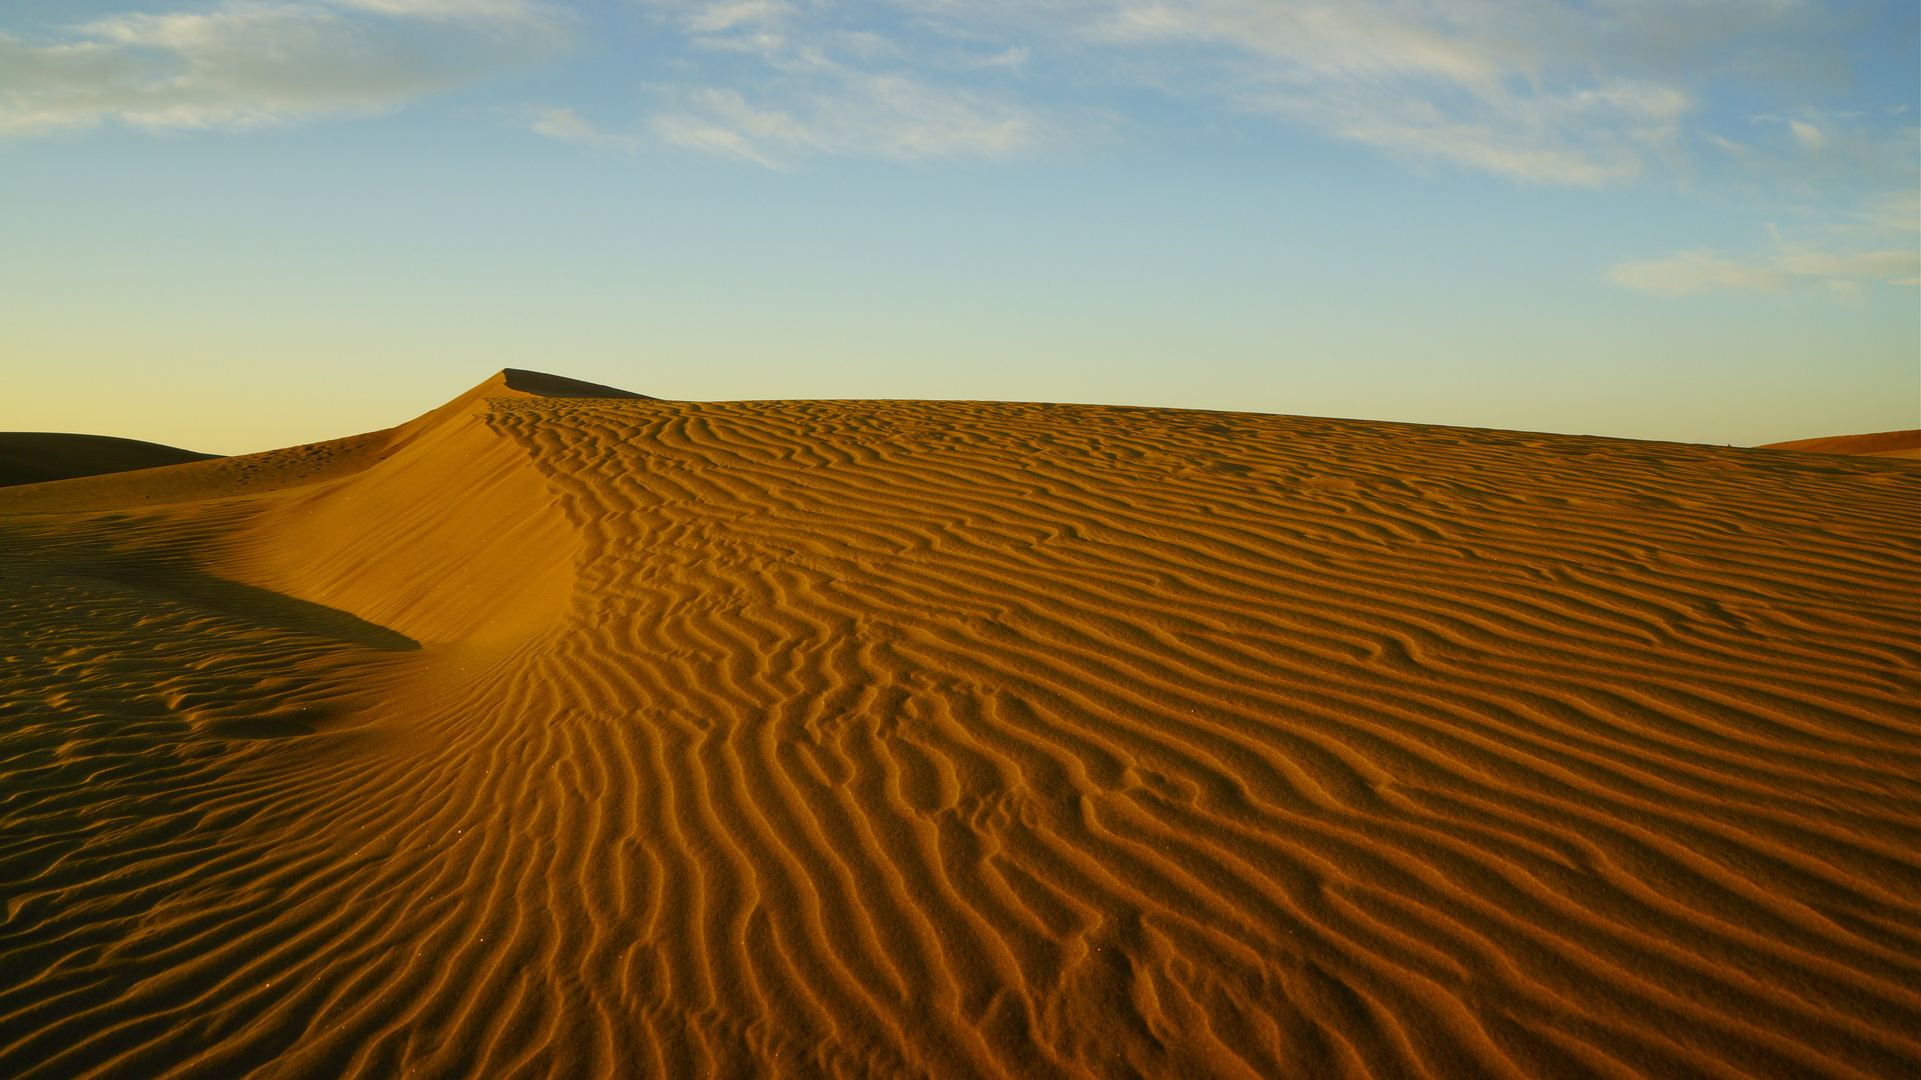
(542, 384)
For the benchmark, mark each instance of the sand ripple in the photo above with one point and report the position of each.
(878, 739)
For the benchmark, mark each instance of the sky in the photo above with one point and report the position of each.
(232, 225)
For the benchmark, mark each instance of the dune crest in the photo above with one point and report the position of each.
(1905, 444)
(576, 734)
(450, 534)
(36, 457)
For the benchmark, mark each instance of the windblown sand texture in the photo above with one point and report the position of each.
(574, 736)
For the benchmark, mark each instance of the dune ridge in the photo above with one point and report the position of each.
(1904, 444)
(964, 739)
(36, 457)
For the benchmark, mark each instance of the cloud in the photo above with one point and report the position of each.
(1592, 137)
(1689, 273)
(716, 17)
(1845, 153)
(243, 65)
(837, 80)
(1845, 265)
(1890, 213)
(1542, 91)
(1895, 267)
(888, 116)
(1585, 93)
(491, 10)
(1686, 273)
(566, 126)
(1539, 92)
(1812, 137)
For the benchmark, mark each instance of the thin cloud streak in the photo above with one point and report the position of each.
(565, 125)
(244, 65)
(1876, 245)
(1845, 276)
(887, 116)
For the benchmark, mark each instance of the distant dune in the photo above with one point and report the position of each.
(1906, 444)
(569, 733)
(34, 457)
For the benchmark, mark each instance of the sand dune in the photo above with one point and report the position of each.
(1905, 444)
(557, 734)
(35, 457)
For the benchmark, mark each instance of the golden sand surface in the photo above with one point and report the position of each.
(565, 735)
(1905, 444)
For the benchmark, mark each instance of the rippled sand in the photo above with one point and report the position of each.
(584, 736)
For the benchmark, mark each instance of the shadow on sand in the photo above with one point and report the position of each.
(180, 580)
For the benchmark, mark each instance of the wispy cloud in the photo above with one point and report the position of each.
(1545, 91)
(1513, 89)
(503, 11)
(1584, 93)
(247, 64)
(1844, 256)
(1577, 93)
(1685, 273)
(567, 126)
(1844, 275)
(1823, 149)
(835, 81)
(889, 116)
(1846, 183)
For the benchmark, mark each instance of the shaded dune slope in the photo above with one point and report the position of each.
(36, 457)
(1906, 444)
(575, 736)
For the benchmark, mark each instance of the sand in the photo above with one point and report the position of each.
(559, 734)
(35, 457)
(1903, 444)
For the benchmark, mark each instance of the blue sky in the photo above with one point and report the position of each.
(237, 225)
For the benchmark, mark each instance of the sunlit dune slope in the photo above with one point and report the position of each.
(560, 734)
(35, 457)
(1906, 444)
